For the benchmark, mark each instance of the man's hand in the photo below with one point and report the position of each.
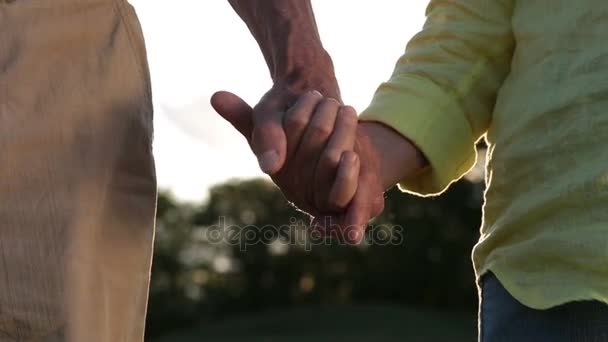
(268, 139)
(321, 131)
(287, 34)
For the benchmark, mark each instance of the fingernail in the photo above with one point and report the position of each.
(316, 93)
(350, 158)
(355, 236)
(268, 160)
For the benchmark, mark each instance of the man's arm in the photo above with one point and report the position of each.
(287, 34)
(288, 37)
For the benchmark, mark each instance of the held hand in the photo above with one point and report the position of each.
(321, 131)
(381, 158)
(267, 137)
(386, 157)
(368, 200)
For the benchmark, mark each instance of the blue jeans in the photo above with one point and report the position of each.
(503, 318)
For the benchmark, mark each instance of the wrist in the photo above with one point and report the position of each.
(287, 33)
(397, 157)
(300, 71)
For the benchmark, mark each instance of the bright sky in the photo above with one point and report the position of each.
(197, 47)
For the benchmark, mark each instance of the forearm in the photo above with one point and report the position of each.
(287, 34)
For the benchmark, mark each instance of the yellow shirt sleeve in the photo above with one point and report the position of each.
(443, 90)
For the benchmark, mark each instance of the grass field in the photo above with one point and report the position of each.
(346, 323)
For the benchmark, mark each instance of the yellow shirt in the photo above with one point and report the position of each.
(532, 77)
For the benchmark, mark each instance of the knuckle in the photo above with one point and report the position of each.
(320, 129)
(305, 100)
(333, 101)
(349, 115)
(296, 120)
(330, 102)
(347, 109)
(331, 157)
(350, 158)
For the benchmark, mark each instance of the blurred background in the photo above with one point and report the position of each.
(418, 285)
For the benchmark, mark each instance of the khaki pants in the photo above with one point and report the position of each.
(77, 180)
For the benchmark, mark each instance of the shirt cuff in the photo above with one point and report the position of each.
(434, 121)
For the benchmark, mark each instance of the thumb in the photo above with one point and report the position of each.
(234, 110)
(269, 142)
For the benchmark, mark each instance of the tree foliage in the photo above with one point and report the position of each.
(267, 259)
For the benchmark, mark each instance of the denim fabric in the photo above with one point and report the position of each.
(503, 318)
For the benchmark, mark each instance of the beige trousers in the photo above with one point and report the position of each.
(77, 180)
